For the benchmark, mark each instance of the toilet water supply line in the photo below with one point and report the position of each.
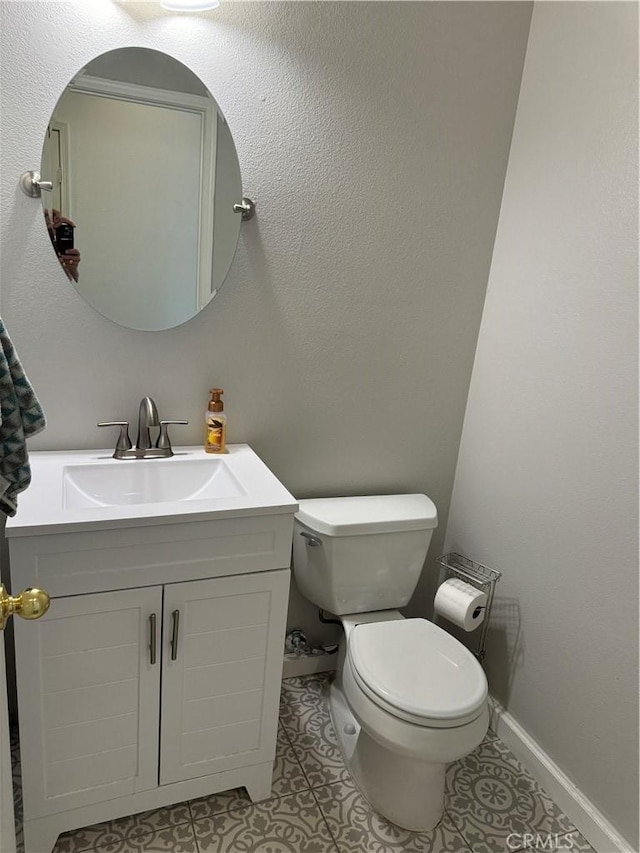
(297, 644)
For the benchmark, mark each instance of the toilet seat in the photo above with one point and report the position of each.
(417, 672)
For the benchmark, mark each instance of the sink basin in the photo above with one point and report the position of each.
(88, 489)
(148, 481)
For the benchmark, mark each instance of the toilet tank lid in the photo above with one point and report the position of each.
(353, 516)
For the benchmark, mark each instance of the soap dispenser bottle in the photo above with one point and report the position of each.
(215, 424)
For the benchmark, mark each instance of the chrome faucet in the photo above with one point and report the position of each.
(147, 417)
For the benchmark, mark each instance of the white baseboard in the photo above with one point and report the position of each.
(597, 830)
(307, 664)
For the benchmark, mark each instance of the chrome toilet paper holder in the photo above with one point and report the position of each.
(482, 577)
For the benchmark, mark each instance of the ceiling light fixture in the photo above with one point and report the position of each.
(189, 5)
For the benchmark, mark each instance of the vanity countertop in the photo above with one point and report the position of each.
(86, 490)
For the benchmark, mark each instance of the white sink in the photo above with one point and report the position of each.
(148, 481)
(88, 489)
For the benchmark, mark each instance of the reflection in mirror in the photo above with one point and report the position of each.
(145, 176)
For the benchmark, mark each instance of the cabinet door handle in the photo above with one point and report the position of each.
(153, 648)
(174, 634)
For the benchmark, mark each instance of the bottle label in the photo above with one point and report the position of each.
(215, 429)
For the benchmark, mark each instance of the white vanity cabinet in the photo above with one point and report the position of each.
(221, 671)
(155, 675)
(89, 700)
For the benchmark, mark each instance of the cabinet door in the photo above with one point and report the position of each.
(222, 667)
(88, 699)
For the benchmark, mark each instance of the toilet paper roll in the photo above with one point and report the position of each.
(460, 603)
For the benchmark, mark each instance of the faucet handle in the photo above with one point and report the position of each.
(163, 442)
(124, 442)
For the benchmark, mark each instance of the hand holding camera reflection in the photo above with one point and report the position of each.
(61, 233)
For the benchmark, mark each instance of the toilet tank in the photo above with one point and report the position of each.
(357, 554)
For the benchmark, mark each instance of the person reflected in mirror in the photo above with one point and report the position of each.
(61, 230)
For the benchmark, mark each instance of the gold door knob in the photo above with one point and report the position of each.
(32, 603)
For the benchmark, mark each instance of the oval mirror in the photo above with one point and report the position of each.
(145, 177)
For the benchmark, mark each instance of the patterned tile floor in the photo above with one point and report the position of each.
(492, 804)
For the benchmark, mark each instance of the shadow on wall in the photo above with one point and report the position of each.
(505, 648)
(504, 645)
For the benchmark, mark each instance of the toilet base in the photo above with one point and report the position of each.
(405, 791)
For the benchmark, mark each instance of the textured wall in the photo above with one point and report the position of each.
(374, 139)
(546, 485)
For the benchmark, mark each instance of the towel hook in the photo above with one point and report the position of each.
(32, 185)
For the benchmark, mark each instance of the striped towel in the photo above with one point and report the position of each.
(20, 417)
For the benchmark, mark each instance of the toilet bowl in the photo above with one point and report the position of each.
(408, 698)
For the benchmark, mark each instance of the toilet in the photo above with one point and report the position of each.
(408, 698)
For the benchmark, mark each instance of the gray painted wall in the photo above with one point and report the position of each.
(374, 139)
(546, 486)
